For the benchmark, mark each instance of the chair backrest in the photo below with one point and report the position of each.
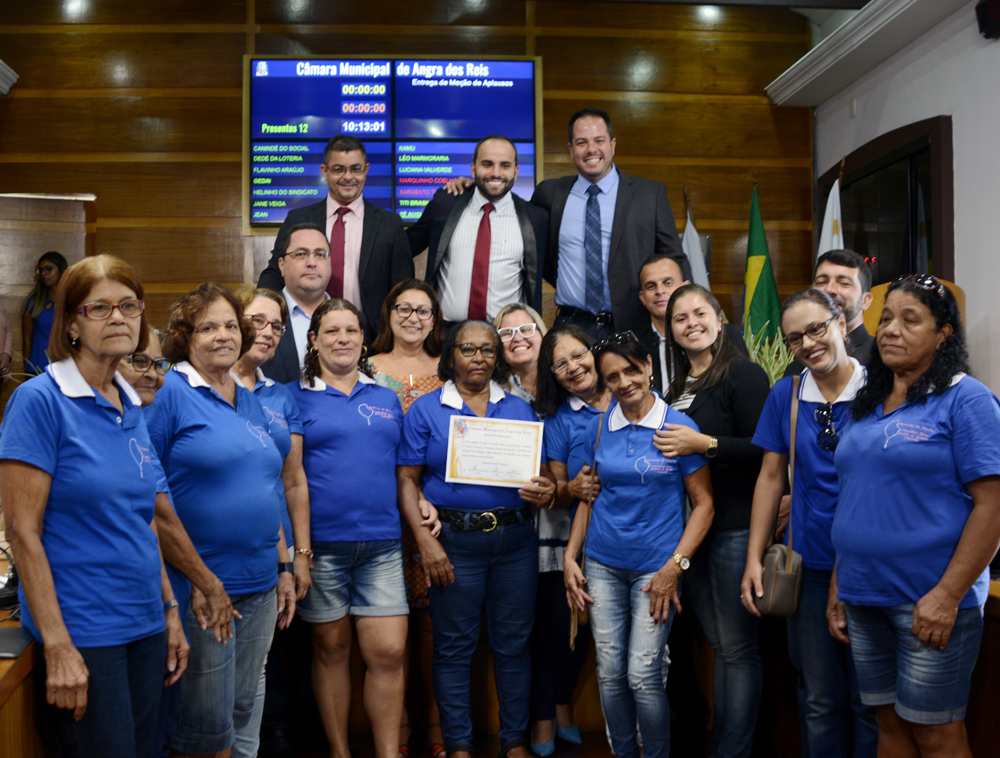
(874, 312)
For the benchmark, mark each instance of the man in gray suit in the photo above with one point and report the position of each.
(604, 224)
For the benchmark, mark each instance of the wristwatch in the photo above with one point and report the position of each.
(682, 560)
(713, 448)
(289, 567)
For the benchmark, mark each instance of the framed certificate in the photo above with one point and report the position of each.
(493, 452)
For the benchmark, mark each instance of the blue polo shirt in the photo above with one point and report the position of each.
(38, 358)
(222, 466)
(96, 528)
(817, 491)
(565, 432)
(903, 503)
(349, 449)
(425, 443)
(638, 516)
(282, 422)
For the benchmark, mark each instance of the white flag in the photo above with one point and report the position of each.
(691, 245)
(832, 236)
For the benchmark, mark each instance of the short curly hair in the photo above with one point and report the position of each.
(183, 314)
(951, 357)
(446, 366)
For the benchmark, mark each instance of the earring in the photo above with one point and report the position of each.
(364, 351)
(74, 342)
(312, 350)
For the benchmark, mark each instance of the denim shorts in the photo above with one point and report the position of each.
(927, 685)
(360, 578)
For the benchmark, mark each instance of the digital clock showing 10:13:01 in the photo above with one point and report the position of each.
(355, 126)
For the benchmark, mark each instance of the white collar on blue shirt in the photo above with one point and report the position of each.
(810, 392)
(652, 420)
(293, 303)
(258, 374)
(320, 386)
(451, 398)
(189, 372)
(575, 403)
(66, 374)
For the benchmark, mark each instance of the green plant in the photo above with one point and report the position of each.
(773, 356)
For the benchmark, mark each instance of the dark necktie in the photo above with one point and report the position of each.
(336, 286)
(594, 292)
(481, 267)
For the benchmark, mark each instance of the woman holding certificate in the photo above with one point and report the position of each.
(636, 546)
(487, 553)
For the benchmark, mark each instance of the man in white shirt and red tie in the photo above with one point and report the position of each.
(486, 247)
(369, 251)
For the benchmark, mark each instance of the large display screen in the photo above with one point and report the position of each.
(419, 121)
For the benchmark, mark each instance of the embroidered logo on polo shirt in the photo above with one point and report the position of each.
(259, 432)
(367, 411)
(657, 465)
(276, 417)
(139, 454)
(904, 430)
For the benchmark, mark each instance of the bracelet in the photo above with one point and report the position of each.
(304, 551)
(170, 604)
(551, 503)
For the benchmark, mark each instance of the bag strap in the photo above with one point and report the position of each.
(791, 466)
(590, 497)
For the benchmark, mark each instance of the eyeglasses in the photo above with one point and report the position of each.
(615, 339)
(357, 169)
(525, 330)
(468, 350)
(924, 281)
(405, 310)
(827, 437)
(561, 367)
(301, 254)
(101, 311)
(46, 269)
(141, 363)
(259, 322)
(815, 331)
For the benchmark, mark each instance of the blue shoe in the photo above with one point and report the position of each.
(569, 733)
(542, 749)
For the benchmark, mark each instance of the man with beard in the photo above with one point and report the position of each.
(486, 247)
(369, 253)
(844, 276)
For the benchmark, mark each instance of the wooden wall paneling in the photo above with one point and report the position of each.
(461, 42)
(121, 124)
(148, 59)
(125, 12)
(190, 254)
(415, 12)
(689, 18)
(137, 188)
(690, 128)
(642, 62)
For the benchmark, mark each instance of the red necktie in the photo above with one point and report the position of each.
(481, 267)
(336, 286)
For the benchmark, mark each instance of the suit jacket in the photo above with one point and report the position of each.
(385, 257)
(729, 411)
(862, 342)
(643, 225)
(436, 226)
(284, 366)
(649, 337)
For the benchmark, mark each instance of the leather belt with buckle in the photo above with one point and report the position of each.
(604, 318)
(486, 521)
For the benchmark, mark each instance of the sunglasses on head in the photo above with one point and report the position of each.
(615, 339)
(924, 281)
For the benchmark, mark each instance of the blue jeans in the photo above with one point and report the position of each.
(498, 570)
(219, 688)
(632, 660)
(712, 586)
(835, 724)
(123, 702)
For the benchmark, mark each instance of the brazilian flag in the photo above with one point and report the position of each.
(760, 294)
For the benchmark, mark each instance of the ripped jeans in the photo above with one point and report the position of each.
(632, 660)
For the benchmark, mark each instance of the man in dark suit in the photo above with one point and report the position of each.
(604, 224)
(844, 276)
(486, 247)
(368, 247)
(659, 276)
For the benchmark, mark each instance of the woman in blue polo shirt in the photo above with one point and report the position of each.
(918, 522)
(570, 395)
(36, 319)
(78, 479)
(222, 466)
(487, 555)
(835, 723)
(637, 546)
(351, 428)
